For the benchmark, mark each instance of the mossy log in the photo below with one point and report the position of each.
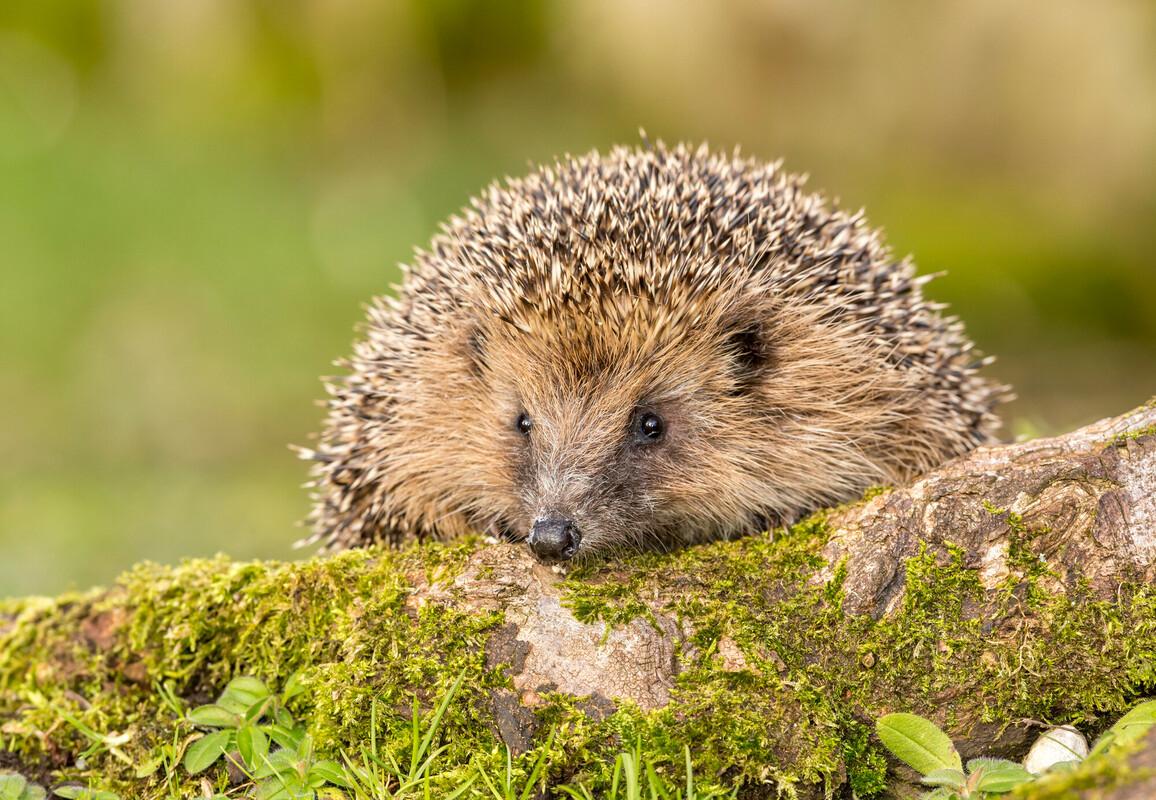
(1007, 590)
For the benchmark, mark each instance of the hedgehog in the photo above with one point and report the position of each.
(646, 349)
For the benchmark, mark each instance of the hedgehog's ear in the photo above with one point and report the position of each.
(750, 351)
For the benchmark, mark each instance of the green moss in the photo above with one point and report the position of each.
(866, 765)
(822, 676)
(777, 687)
(343, 621)
(875, 491)
(1121, 439)
(594, 596)
(1130, 436)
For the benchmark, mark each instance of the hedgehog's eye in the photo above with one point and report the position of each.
(523, 424)
(648, 428)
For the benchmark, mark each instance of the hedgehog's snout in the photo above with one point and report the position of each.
(554, 538)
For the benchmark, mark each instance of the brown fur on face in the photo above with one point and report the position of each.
(792, 361)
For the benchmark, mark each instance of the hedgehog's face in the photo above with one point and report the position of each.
(591, 478)
(598, 440)
(648, 432)
(626, 429)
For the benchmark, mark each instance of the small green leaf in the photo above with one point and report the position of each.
(305, 748)
(998, 776)
(214, 716)
(258, 710)
(203, 752)
(976, 764)
(245, 744)
(78, 792)
(953, 778)
(279, 762)
(232, 705)
(1128, 728)
(942, 793)
(918, 743)
(328, 772)
(260, 746)
(253, 746)
(248, 687)
(241, 694)
(290, 738)
(294, 686)
(272, 790)
(283, 789)
(33, 791)
(12, 786)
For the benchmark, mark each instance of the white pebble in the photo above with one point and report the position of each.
(1054, 746)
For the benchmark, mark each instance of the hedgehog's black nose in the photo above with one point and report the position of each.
(554, 539)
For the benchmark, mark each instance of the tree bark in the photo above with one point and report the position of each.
(1089, 498)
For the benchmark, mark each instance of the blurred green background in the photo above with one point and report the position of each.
(197, 197)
